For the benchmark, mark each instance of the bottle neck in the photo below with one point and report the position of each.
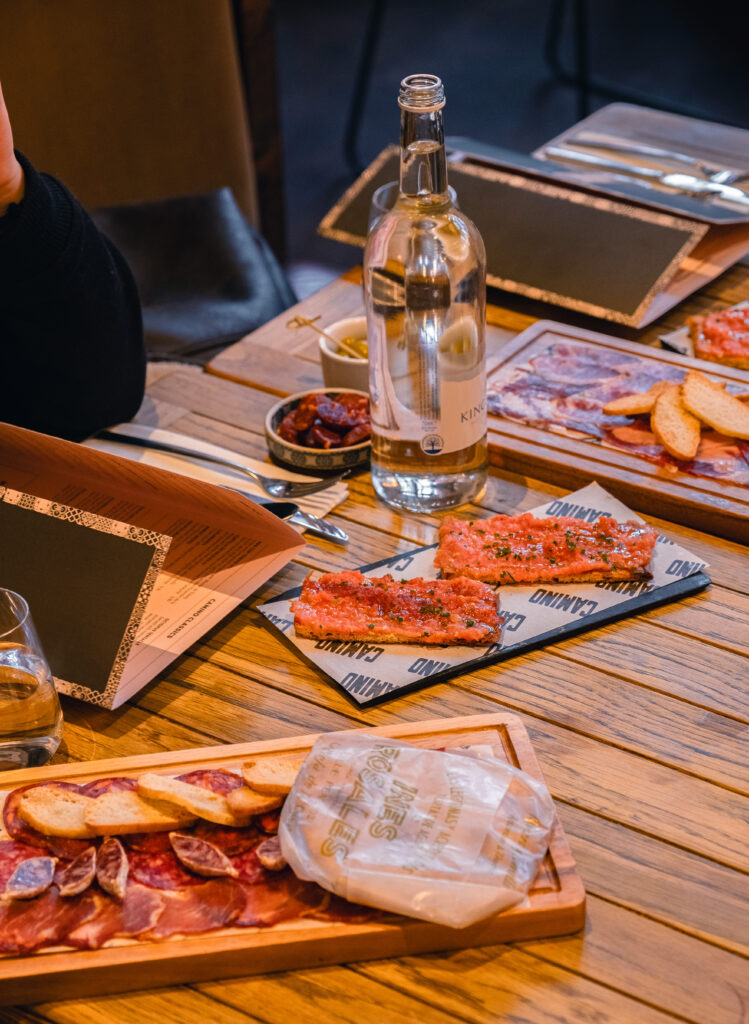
(423, 166)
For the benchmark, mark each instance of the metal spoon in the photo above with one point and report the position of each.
(289, 510)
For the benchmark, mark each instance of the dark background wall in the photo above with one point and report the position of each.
(490, 55)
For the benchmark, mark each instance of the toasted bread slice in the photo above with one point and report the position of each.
(246, 802)
(674, 425)
(714, 406)
(199, 802)
(274, 774)
(636, 405)
(55, 811)
(124, 812)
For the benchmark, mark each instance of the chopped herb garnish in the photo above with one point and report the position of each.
(370, 625)
(470, 622)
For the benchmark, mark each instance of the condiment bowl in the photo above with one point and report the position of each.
(299, 457)
(339, 370)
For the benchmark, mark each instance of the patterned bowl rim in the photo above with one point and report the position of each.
(290, 400)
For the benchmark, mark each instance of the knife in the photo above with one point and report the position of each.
(687, 183)
(291, 511)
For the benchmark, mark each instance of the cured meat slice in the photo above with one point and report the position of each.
(118, 784)
(210, 905)
(528, 549)
(200, 856)
(339, 909)
(248, 866)
(148, 842)
(137, 913)
(270, 855)
(26, 925)
(351, 606)
(269, 822)
(11, 855)
(160, 871)
(217, 780)
(31, 878)
(78, 875)
(232, 841)
(112, 867)
(17, 828)
(280, 896)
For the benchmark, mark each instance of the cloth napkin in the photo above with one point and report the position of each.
(316, 504)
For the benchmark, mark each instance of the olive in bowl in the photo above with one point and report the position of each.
(324, 429)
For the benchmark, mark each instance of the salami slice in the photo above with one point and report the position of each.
(201, 857)
(11, 855)
(280, 896)
(148, 842)
(218, 780)
(210, 905)
(232, 841)
(248, 866)
(112, 867)
(118, 784)
(269, 854)
(75, 877)
(17, 828)
(31, 878)
(160, 871)
(269, 822)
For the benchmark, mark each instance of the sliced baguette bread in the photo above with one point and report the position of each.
(274, 774)
(122, 813)
(199, 802)
(674, 425)
(714, 406)
(55, 811)
(636, 405)
(245, 802)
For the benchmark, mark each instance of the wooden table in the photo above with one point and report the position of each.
(640, 727)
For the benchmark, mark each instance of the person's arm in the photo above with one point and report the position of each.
(71, 334)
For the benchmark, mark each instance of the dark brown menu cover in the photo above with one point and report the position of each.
(86, 579)
(596, 255)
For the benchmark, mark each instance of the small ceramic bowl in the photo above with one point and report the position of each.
(297, 456)
(340, 371)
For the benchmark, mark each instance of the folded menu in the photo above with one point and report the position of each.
(124, 565)
(534, 615)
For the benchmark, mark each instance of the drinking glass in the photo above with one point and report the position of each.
(30, 715)
(383, 199)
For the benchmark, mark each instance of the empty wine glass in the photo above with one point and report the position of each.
(30, 715)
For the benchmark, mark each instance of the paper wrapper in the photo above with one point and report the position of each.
(534, 615)
(448, 837)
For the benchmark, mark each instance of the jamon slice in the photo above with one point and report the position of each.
(210, 905)
(26, 925)
(278, 897)
(560, 549)
(350, 606)
(160, 871)
(135, 914)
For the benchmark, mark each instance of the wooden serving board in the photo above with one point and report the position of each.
(556, 902)
(700, 502)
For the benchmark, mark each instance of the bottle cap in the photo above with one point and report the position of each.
(422, 93)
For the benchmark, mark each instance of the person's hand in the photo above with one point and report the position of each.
(11, 172)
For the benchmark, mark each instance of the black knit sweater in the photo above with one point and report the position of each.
(71, 336)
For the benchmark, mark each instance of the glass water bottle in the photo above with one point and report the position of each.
(425, 285)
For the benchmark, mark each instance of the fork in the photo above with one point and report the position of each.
(712, 173)
(271, 485)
